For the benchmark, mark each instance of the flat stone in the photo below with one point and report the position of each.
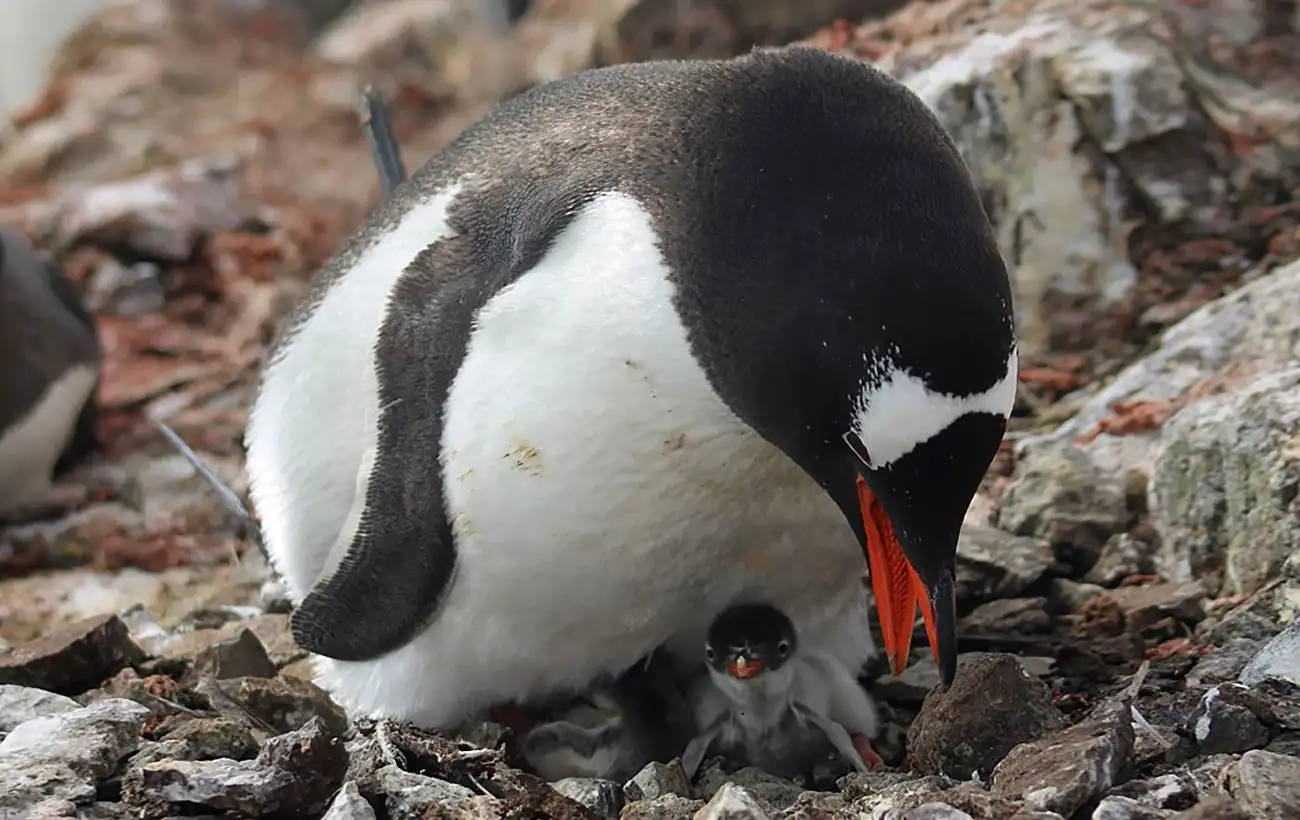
(210, 738)
(935, 811)
(22, 703)
(406, 794)
(603, 797)
(1144, 605)
(732, 802)
(911, 686)
(656, 780)
(773, 793)
(72, 658)
(993, 704)
(295, 773)
(63, 757)
(238, 657)
(992, 564)
(1280, 658)
(1225, 662)
(1126, 808)
(1175, 790)
(666, 807)
(1009, 616)
(1069, 768)
(284, 703)
(1267, 785)
(1071, 596)
(348, 804)
(1221, 807)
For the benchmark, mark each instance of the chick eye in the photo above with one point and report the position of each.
(709, 654)
(783, 649)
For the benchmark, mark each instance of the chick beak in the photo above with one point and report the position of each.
(743, 668)
(898, 589)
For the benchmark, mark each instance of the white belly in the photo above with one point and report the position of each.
(603, 498)
(30, 448)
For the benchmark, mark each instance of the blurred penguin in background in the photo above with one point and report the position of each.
(49, 370)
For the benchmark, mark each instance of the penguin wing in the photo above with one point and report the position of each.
(829, 687)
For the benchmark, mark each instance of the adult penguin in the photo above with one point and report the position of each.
(643, 342)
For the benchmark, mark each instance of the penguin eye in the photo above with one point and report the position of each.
(859, 449)
(709, 654)
(783, 649)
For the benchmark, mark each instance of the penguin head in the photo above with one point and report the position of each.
(749, 641)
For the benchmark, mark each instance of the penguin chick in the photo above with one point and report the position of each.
(775, 701)
(49, 370)
(624, 724)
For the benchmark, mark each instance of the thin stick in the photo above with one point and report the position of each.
(384, 150)
(228, 498)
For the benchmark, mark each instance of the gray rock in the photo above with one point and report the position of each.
(1126, 808)
(22, 703)
(1267, 785)
(732, 802)
(62, 757)
(295, 773)
(73, 658)
(1219, 807)
(603, 797)
(348, 804)
(773, 793)
(1224, 721)
(911, 686)
(1009, 616)
(1061, 495)
(897, 800)
(1148, 605)
(240, 656)
(284, 703)
(1225, 662)
(1068, 769)
(407, 794)
(104, 811)
(667, 807)
(935, 811)
(1280, 658)
(1071, 596)
(993, 704)
(1122, 555)
(210, 738)
(992, 564)
(656, 780)
(1222, 493)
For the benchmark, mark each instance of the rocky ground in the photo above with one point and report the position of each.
(1127, 576)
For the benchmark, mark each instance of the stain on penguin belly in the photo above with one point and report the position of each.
(609, 543)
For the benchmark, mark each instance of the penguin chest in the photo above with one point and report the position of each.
(594, 479)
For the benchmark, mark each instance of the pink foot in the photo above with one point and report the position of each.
(869, 756)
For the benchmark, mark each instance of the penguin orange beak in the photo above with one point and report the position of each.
(897, 586)
(743, 668)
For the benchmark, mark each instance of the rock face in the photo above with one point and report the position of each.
(1220, 473)
(1225, 484)
(1065, 111)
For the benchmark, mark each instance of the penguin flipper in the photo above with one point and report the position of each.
(836, 734)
